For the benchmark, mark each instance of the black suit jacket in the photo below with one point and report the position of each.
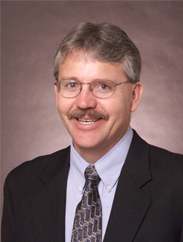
(148, 204)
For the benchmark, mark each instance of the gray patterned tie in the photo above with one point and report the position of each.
(88, 218)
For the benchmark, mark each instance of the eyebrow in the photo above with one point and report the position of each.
(69, 78)
(76, 79)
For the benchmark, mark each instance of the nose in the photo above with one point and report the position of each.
(86, 99)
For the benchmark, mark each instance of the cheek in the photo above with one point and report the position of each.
(64, 105)
(114, 106)
(118, 110)
(63, 111)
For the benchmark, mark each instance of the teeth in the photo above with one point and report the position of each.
(83, 121)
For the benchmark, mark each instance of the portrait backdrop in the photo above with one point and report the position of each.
(31, 33)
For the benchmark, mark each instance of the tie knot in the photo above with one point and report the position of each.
(91, 175)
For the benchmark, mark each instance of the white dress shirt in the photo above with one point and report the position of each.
(108, 167)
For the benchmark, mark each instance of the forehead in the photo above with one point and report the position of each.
(81, 65)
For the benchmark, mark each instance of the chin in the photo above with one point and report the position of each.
(86, 143)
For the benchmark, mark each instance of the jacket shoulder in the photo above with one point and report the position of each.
(160, 161)
(163, 155)
(156, 153)
(166, 164)
(25, 175)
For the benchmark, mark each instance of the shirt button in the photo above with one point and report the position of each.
(109, 187)
(80, 189)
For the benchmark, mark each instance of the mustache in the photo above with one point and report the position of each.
(79, 113)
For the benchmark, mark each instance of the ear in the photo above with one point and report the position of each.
(56, 90)
(136, 95)
(56, 94)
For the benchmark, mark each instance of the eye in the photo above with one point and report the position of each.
(102, 86)
(71, 85)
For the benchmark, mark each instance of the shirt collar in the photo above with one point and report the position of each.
(108, 166)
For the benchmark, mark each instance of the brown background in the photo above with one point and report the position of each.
(31, 33)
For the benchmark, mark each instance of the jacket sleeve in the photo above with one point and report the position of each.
(7, 226)
(181, 238)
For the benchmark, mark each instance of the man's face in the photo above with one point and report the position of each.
(89, 134)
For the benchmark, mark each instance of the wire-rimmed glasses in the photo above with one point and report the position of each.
(99, 88)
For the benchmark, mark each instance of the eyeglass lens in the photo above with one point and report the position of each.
(100, 88)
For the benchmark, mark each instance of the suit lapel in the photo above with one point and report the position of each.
(130, 204)
(49, 202)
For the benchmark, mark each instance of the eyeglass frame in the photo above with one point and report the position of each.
(91, 89)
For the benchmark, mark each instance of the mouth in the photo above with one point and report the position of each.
(87, 121)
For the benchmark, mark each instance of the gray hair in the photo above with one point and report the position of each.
(103, 42)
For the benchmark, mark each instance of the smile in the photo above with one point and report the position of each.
(90, 121)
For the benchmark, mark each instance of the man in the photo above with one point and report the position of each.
(133, 191)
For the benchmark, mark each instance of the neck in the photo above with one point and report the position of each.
(93, 154)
